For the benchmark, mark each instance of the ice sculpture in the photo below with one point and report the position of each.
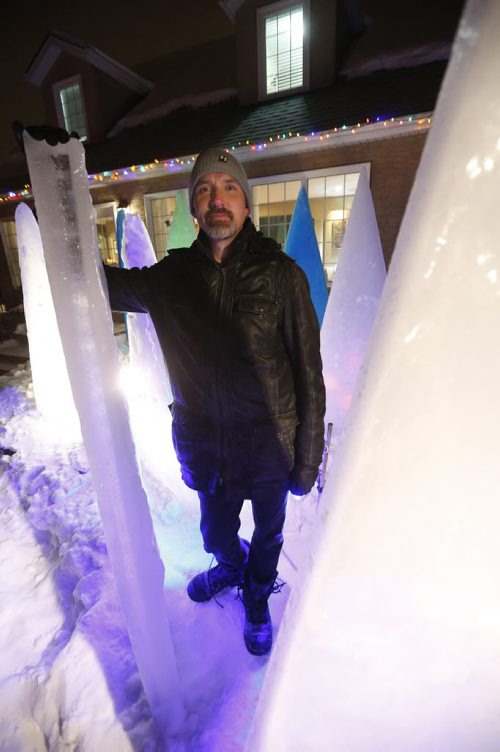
(182, 232)
(60, 187)
(352, 306)
(301, 244)
(146, 379)
(48, 367)
(394, 643)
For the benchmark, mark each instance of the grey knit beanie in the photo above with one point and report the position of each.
(218, 160)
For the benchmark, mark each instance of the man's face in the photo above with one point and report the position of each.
(220, 205)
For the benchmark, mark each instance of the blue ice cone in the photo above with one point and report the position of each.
(301, 244)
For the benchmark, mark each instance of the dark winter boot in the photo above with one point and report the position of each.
(258, 630)
(207, 584)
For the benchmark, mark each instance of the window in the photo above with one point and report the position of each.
(330, 199)
(70, 107)
(330, 193)
(9, 237)
(106, 232)
(160, 208)
(282, 48)
(273, 205)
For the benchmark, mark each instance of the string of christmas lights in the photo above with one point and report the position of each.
(134, 172)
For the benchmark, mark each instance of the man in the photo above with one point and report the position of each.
(241, 340)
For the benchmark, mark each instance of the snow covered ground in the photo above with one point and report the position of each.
(68, 679)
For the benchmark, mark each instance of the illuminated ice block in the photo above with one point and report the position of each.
(352, 306)
(51, 384)
(145, 379)
(182, 232)
(74, 268)
(393, 642)
(301, 244)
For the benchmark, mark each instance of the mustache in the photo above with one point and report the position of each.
(210, 213)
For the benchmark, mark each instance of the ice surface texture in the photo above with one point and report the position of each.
(352, 306)
(48, 367)
(147, 376)
(396, 644)
(60, 187)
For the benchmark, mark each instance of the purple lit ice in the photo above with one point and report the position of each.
(60, 187)
(48, 367)
(145, 379)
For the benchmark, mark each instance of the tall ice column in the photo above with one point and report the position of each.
(395, 642)
(146, 377)
(74, 267)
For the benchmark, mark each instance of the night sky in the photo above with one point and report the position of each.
(129, 31)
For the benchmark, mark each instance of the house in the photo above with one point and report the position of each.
(306, 92)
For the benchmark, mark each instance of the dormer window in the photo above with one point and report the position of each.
(70, 106)
(283, 53)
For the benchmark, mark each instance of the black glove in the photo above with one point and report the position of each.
(48, 133)
(302, 479)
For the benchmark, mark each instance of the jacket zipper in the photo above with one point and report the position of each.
(219, 465)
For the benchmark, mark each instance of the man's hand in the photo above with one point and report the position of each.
(48, 133)
(302, 479)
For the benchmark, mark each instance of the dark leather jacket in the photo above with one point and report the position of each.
(241, 342)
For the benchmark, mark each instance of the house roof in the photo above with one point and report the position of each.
(231, 7)
(58, 42)
(188, 130)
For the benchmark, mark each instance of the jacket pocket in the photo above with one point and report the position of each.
(255, 319)
(257, 305)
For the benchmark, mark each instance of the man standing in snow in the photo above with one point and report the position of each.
(240, 336)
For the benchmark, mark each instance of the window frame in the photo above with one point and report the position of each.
(11, 253)
(106, 205)
(148, 210)
(306, 175)
(65, 83)
(263, 13)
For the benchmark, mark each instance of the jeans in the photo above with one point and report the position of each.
(220, 523)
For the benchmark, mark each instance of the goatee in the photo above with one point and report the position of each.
(219, 229)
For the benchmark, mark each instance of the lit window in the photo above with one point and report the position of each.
(273, 205)
(160, 213)
(330, 199)
(9, 236)
(70, 106)
(330, 194)
(106, 232)
(282, 48)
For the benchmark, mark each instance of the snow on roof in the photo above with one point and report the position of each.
(138, 116)
(402, 35)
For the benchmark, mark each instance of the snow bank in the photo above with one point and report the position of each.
(68, 678)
